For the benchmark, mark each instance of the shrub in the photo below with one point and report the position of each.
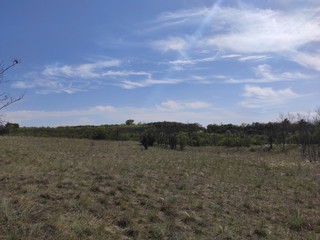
(183, 140)
(147, 138)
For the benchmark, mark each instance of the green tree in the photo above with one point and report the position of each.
(183, 139)
(99, 133)
(271, 131)
(11, 127)
(148, 138)
(284, 129)
(129, 122)
(173, 141)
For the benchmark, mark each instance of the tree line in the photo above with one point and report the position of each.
(300, 130)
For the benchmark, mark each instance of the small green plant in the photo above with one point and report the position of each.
(296, 223)
(81, 229)
(261, 233)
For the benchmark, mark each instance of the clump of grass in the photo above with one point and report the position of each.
(81, 229)
(261, 232)
(156, 233)
(123, 223)
(296, 223)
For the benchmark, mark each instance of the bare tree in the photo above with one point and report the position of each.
(5, 98)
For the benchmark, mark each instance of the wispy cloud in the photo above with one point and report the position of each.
(170, 105)
(308, 60)
(254, 58)
(244, 58)
(252, 29)
(265, 74)
(50, 117)
(180, 18)
(261, 31)
(257, 97)
(87, 70)
(83, 77)
(193, 61)
(105, 109)
(241, 58)
(177, 44)
(125, 73)
(231, 56)
(248, 34)
(130, 84)
(43, 85)
(60, 78)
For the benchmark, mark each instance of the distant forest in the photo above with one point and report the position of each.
(297, 130)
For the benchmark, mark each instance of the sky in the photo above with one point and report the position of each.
(93, 62)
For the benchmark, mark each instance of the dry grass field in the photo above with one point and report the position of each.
(82, 189)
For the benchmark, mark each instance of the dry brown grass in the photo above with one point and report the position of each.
(82, 189)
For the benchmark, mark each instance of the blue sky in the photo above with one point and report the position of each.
(103, 62)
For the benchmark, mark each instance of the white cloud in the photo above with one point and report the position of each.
(130, 84)
(52, 85)
(76, 78)
(193, 61)
(177, 44)
(183, 15)
(260, 31)
(265, 74)
(308, 60)
(29, 115)
(231, 56)
(257, 97)
(125, 73)
(106, 109)
(254, 58)
(180, 18)
(71, 78)
(247, 30)
(246, 34)
(87, 70)
(170, 105)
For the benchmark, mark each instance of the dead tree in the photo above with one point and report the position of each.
(7, 99)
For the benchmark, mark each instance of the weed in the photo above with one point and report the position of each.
(261, 233)
(156, 233)
(296, 223)
(81, 229)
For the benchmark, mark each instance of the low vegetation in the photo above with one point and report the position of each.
(58, 188)
(300, 130)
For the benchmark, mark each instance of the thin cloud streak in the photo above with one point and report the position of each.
(264, 74)
(128, 84)
(87, 70)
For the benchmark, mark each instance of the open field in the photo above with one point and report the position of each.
(53, 188)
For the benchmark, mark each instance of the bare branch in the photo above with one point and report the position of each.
(8, 100)
(14, 62)
(5, 98)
